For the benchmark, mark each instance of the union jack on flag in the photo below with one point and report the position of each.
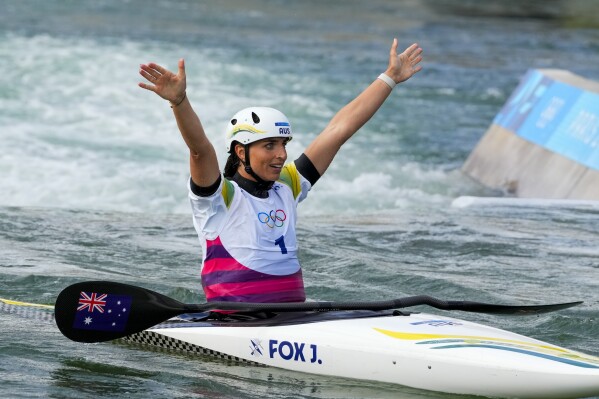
(92, 302)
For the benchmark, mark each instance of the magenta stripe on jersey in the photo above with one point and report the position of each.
(270, 283)
(225, 279)
(216, 251)
(218, 259)
(291, 296)
(221, 265)
(243, 276)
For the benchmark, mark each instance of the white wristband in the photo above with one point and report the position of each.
(383, 76)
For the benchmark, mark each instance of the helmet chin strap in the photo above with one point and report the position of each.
(262, 184)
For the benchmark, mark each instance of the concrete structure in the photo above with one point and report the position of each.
(544, 143)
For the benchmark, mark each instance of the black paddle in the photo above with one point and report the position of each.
(97, 311)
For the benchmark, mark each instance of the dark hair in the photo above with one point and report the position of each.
(232, 163)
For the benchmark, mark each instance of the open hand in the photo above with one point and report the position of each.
(163, 82)
(403, 66)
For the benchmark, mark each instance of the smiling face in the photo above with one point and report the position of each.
(267, 158)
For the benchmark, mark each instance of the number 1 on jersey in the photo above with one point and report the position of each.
(281, 243)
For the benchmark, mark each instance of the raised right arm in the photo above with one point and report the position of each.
(203, 163)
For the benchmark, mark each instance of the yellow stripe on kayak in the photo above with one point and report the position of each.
(19, 303)
(473, 340)
(465, 338)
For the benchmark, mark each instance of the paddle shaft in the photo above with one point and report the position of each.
(466, 306)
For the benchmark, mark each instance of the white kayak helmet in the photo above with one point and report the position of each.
(257, 123)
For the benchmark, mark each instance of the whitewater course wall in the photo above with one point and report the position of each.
(544, 143)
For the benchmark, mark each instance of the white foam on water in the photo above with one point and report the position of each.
(389, 186)
(77, 131)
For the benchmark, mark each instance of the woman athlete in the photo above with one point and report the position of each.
(245, 218)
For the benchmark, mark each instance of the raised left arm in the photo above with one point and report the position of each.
(355, 114)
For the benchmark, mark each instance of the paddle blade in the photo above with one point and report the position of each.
(97, 311)
(508, 309)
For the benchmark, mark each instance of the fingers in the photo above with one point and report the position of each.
(147, 87)
(153, 72)
(413, 56)
(149, 72)
(413, 49)
(157, 68)
(393, 51)
(415, 60)
(162, 81)
(416, 56)
(181, 67)
(147, 75)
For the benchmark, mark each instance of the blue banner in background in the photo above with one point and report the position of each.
(520, 104)
(557, 116)
(548, 113)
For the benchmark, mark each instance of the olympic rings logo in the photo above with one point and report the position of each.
(273, 219)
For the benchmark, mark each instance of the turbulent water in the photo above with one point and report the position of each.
(93, 173)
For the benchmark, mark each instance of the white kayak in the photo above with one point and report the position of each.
(417, 350)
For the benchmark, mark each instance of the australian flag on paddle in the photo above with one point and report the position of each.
(102, 312)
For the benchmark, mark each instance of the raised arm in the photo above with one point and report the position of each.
(203, 163)
(355, 114)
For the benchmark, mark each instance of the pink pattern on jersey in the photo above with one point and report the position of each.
(225, 279)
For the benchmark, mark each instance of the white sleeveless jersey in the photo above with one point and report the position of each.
(249, 244)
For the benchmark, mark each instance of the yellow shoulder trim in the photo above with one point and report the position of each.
(291, 178)
(227, 192)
